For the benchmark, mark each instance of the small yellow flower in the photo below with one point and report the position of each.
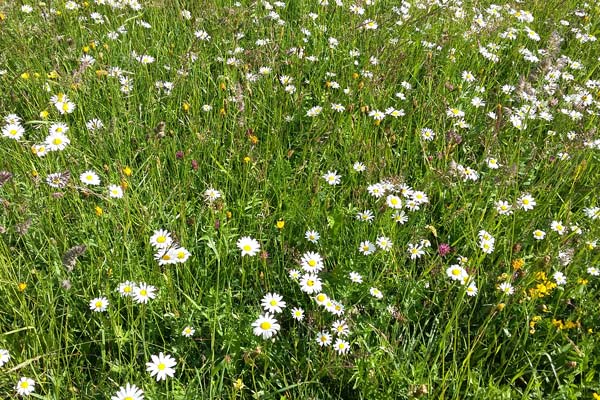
(228, 214)
(44, 114)
(2, 16)
(246, 159)
(238, 384)
(36, 75)
(280, 224)
(34, 173)
(86, 49)
(355, 75)
(518, 263)
(253, 139)
(53, 74)
(186, 106)
(500, 306)
(222, 111)
(25, 75)
(222, 86)
(127, 171)
(124, 184)
(101, 72)
(98, 210)
(22, 286)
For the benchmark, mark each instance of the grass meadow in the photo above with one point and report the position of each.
(320, 199)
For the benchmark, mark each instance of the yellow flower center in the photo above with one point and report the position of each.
(98, 304)
(161, 239)
(265, 325)
(321, 297)
(13, 132)
(127, 289)
(143, 292)
(310, 282)
(312, 263)
(247, 247)
(342, 346)
(273, 303)
(24, 385)
(57, 141)
(161, 366)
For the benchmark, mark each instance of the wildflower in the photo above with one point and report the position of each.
(314, 111)
(366, 216)
(324, 338)
(128, 392)
(311, 262)
(4, 357)
(492, 163)
(384, 243)
(592, 213)
(310, 283)
(377, 115)
(376, 293)
(419, 197)
(57, 141)
(467, 76)
(332, 178)
(211, 195)
(444, 249)
(58, 180)
(487, 246)
(539, 234)
(359, 167)
(415, 251)
(65, 107)
(99, 304)
(457, 273)
(115, 191)
(98, 210)
(164, 257)
(427, 134)
(25, 386)
(266, 326)
(322, 299)
(126, 289)
(179, 254)
(506, 288)
(526, 202)
(90, 178)
(393, 201)
(161, 239)
(559, 278)
(294, 274)
(161, 366)
(341, 328)
(376, 190)
(143, 292)
(355, 277)
(503, 208)
(297, 314)
(471, 290)
(594, 271)
(13, 131)
(558, 227)
(341, 346)
(272, 302)
(312, 236)
(248, 246)
(188, 331)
